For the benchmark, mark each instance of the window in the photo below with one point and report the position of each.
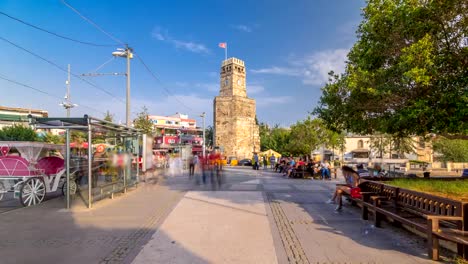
(360, 144)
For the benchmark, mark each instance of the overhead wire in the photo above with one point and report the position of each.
(92, 23)
(3, 77)
(62, 69)
(56, 34)
(157, 79)
(119, 41)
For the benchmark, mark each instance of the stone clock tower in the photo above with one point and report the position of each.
(234, 113)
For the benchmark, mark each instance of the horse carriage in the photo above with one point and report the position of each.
(31, 170)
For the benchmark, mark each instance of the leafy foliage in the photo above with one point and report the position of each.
(301, 139)
(109, 117)
(18, 133)
(455, 150)
(51, 138)
(406, 74)
(143, 123)
(209, 136)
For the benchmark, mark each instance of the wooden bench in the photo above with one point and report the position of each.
(436, 217)
(300, 172)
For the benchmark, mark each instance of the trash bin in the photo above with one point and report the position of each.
(426, 174)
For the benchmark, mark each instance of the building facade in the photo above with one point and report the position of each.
(14, 115)
(235, 129)
(175, 131)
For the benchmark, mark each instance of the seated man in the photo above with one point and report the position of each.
(352, 181)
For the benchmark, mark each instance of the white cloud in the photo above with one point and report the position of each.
(313, 68)
(255, 88)
(243, 28)
(319, 64)
(162, 35)
(279, 71)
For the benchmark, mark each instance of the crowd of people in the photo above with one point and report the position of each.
(288, 166)
(204, 169)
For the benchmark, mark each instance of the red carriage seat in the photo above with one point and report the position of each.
(15, 166)
(50, 165)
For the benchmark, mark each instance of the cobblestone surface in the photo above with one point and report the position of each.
(294, 251)
(126, 245)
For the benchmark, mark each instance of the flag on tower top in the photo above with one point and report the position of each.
(222, 45)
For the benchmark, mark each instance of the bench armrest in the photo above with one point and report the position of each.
(443, 217)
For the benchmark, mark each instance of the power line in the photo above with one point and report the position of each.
(57, 35)
(44, 92)
(157, 79)
(62, 69)
(92, 23)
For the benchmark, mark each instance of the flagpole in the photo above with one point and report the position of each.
(225, 52)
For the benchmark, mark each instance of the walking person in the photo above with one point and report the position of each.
(192, 163)
(265, 162)
(272, 161)
(256, 164)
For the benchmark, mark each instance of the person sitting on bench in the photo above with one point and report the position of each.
(352, 181)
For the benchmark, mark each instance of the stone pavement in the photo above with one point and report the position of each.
(113, 231)
(214, 227)
(252, 216)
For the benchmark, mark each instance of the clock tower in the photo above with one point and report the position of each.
(233, 78)
(235, 129)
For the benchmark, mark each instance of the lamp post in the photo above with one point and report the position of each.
(203, 116)
(126, 53)
(68, 104)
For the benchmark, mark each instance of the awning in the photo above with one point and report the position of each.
(360, 151)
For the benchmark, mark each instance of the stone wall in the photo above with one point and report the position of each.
(235, 128)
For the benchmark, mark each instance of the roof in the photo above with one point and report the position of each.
(44, 113)
(82, 123)
(360, 150)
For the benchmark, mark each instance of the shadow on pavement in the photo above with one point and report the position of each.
(114, 231)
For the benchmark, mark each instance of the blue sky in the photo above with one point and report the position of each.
(288, 48)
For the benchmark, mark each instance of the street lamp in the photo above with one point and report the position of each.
(126, 53)
(203, 116)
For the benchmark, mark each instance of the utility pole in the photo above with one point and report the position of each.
(67, 104)
(203, 116)
(128, 52)
(68, 90)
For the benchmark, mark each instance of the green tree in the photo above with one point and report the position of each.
(455, 150)
(18, 133)
(307, 136)
(209, 132)
(406, 74)
(143, 123)
(109, 117)
(51, 138)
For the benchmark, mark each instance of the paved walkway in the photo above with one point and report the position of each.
(252, 217)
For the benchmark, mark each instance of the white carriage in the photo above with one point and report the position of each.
(31, 174)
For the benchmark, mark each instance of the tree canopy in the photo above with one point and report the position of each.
(406, 74)
(143, 123)
(18, 133)
(452, 149)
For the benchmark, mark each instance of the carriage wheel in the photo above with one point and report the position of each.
(32, 192)
(2, 190)
(73, 188)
